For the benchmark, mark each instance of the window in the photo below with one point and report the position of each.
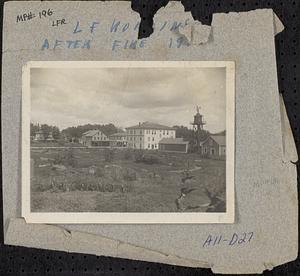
(167, 132)
(205, 150)
(152, 138)
(141, 132)
(149, 146)
(212, 151)
(140, 138)
(163, 132)
(149, 139)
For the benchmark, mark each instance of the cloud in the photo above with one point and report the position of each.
(68, 97)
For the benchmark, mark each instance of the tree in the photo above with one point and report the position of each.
(77, 131)
(191, 136)
(46, 129)
(185, 133)
(55, 132)
(33, 129)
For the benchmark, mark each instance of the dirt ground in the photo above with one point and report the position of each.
(119, 180)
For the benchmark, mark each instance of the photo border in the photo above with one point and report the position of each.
(129, 217)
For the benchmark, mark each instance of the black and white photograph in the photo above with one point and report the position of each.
(128, 142)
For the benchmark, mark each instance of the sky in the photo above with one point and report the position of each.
(126, 96)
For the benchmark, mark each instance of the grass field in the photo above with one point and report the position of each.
(122, 180)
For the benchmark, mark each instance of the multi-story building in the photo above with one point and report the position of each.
(94, 138)
(147, 135)
(118, 139)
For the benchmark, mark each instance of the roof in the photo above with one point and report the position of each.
(149, 125)
(118, 134)
(91, 132)
(219, 139)
(87, 133)
(172, 141)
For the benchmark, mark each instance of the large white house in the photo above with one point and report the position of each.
(94, 138)
(147, 135)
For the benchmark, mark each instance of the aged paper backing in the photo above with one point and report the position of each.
(266, 187)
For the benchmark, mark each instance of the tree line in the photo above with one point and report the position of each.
(46, 129)
(189, 134)
(76, 132)
(71, 132)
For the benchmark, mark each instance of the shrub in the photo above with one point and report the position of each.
(61, 142)
(138, 156)
(70, 158)
(128, 154)
(129, 175)
(65, 158)
(99, 172)
(108, 155)
(41, 184)
(58, 159)
(150, 159)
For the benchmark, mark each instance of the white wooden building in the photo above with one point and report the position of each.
(147, 135)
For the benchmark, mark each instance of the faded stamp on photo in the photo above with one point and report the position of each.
(128, 142)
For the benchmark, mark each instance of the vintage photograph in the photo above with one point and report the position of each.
(128, 142)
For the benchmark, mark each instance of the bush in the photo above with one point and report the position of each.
(58, 159)
(61, 142)
(138, 156)
(129, 175)
(128, 154)
(150, 159)
(108, 155)
(66, 158)
(70, 158)
(41, 184)
(99, 172)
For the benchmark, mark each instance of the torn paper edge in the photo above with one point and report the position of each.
(288, 144)
(193, 32)
(54, 237)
